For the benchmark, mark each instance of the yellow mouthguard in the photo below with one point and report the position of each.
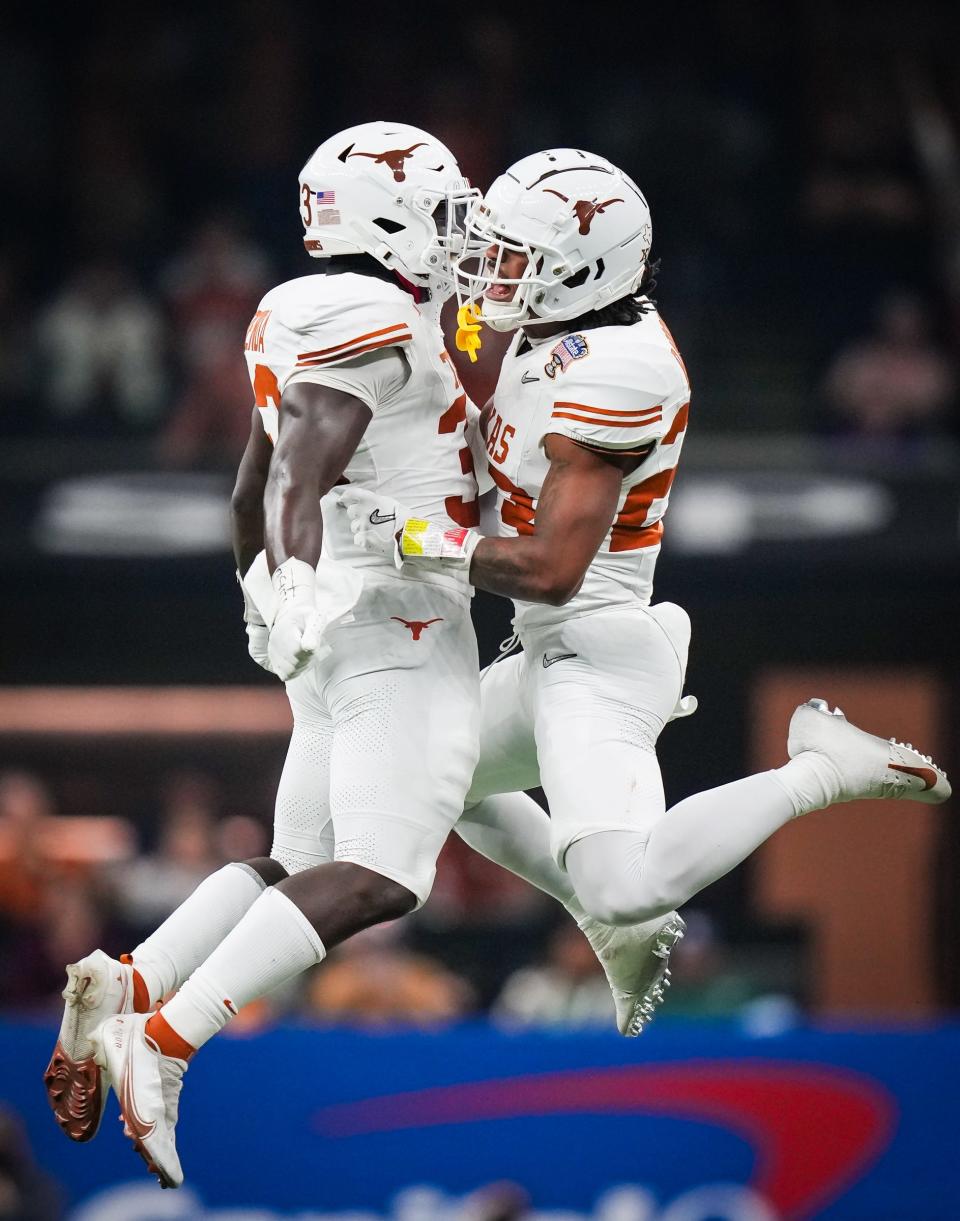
(468, 330)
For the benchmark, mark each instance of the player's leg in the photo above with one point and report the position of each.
(500, 820)
(625, 874)
(599, 715)
(302, 838)
(510, 829)
(596, 745)
(404, 750)
(99, 987)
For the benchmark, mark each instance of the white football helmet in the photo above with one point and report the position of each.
(583, 225)
(391, 191)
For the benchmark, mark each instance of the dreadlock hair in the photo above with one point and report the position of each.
(625, 311)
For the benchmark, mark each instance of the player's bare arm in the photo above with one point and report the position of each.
(246, 504)
(320, 428)
(576, 507)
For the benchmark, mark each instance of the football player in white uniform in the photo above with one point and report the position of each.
(351, 383)
(583, 440)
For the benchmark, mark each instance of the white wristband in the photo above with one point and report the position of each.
(428, 544)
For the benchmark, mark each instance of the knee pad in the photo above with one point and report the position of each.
(396, 847)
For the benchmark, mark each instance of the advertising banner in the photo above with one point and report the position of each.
(688, 1123)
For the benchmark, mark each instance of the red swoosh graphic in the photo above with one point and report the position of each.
(815, 1129)
(926, 774)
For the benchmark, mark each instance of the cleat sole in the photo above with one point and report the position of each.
(75, 1093)
(645, 1011)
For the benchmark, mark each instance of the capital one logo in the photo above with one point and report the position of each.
(816, 1129)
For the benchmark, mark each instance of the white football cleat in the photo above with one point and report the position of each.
(148, 1089)
(865, 765)
(98, 987)
(636, 961)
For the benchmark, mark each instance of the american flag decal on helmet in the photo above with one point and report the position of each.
(327, 198)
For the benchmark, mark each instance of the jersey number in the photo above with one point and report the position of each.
(463, 512)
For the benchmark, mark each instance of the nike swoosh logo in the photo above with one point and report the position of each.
(549, 661)
(926, 774)
(140, 1129)
(380, 519)
(527, 378)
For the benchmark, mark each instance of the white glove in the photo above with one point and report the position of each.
(295, 635)
(374, 520)
(257, 630)
(383, 527)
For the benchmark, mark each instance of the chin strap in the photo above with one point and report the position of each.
(419, 294)
(468, 330)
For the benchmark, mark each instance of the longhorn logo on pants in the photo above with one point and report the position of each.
(416, 626)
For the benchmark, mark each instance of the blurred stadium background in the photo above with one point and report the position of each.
(802, 161)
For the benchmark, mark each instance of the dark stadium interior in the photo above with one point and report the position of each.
(802, 162)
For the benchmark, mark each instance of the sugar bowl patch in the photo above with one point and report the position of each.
(574, 347)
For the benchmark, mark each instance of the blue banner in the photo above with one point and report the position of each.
(688, 1123)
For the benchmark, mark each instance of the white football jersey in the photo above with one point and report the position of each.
(615, 388)
(330, 329)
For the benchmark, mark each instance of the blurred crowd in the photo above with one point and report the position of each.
(803, 169)
(485, 943)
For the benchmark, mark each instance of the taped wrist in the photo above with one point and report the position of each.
(294, 583)
(427, 543)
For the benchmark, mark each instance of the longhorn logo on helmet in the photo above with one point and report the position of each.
(584, 209)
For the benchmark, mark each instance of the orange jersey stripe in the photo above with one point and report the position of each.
(397, 326)
(628, 532)
(606, 411)
(678, 426)
(517, 509)
(675, 350)
(623, 539)
(587, 419)
(367, 347)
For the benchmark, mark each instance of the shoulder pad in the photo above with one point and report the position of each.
(609, 392)
(332, 319)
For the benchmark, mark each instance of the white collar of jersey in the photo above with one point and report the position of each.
(539, 341)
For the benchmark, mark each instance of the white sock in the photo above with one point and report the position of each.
(624, 877)
(511, 830)
(199, 924)
(810, 780)
(272, 943)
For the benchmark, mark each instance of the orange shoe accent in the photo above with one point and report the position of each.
(141, 997)
(167, 1039)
